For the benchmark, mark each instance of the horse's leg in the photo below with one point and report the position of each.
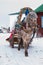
(19, 44)
(25, 46)
(11, 42)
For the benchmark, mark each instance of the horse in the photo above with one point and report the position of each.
(31, 29)
(27, 32)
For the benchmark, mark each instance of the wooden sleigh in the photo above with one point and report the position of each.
(15, 40)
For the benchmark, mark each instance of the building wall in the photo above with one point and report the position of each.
(13, 19)
(39, 21)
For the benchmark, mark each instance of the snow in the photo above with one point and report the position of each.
(11, 56)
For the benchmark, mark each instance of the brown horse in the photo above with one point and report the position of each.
(25, 34)
(31, 28)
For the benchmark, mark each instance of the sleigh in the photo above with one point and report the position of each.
(15, 38)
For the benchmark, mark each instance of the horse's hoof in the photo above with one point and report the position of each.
(26, 54)
(12, 46)
(19, 49)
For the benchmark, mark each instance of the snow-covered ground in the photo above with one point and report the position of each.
(11, 56)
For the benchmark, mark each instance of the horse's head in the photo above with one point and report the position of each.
(32, 20)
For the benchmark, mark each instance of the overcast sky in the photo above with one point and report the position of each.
(11, 6)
